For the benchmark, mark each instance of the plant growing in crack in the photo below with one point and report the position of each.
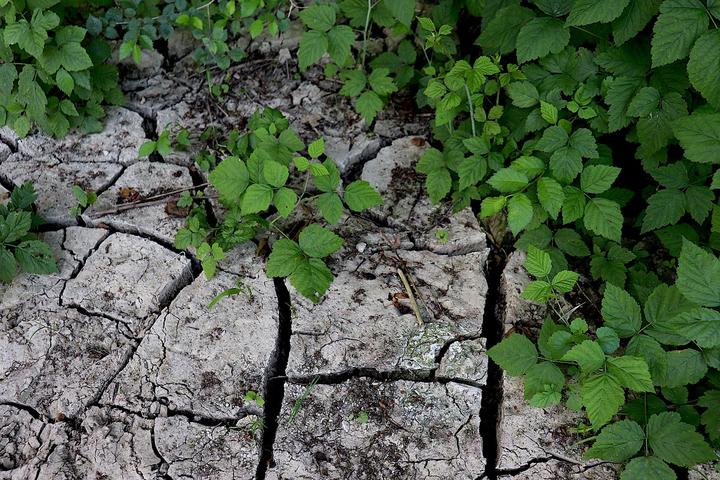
(84, 198)
(262, 180)
(20, 247)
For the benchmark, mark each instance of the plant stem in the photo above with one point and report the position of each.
(365, 34)
(472, 110)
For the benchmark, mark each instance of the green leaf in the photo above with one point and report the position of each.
(319, 242)
(676, 442)
(699, 202)
(15, 226)
(699, 275)
(608, 339)
(553, 138)
(585, 12)
(653, 353)
(684, 367)
(471, 170)
(538, 263)
(665, 207)
(647, 468)
(598, 178)
(603, 217)
(564, 281)
(330, 206)
(540, 37)
(318, 17)
(340, 40)
(634, 19)
(631, 372)
(73, 57)
(368, 105)
(275, 173)
(316, 148)
(508, 180)
(8, 267)
(500, 33)
(680, 23)
(574, 204)
(438, 184)
(702, 326)
(230, 178)
(284, 258)
(542, 375)
(403, 10)
(699, 135)
(491, 206)
(312, 278)
(523, 94)
(538, 291)
(620, 93)
(620, 311)
(35, 256)
(602, 397)
(64, 81)
(566, 164)
(313, 46)
(711, 417)
(548, 112)
(514, 354)
(583, 141)
(257, 198)
(520, 212)
(360, 195)
(703, 67)
(571, 243)
(330, 180)
(285, 201)
(380, 82)
(551, 195)
(617, 442)
(355, 82)
(645, 102)
(588, 355)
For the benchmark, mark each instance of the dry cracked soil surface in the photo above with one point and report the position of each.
(115, 368)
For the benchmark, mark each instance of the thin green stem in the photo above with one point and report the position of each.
(472, 110)
(365, 34)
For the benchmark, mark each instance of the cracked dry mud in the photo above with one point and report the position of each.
(114, 368)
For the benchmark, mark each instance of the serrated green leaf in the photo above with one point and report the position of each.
(566, 164)
(313, 46)
(617, 442)
(316, 148)
(312, 278)
(284, 258)
(608, 339)
(684, 367)
(631, 372)
(471, 170)
(360, 195)
(355, 82)
(520, 212)
(438, 184)
(537, 262)
(500, 33)
(644, 102)
(574, 205)
(491, 206)
(319, 242)
(35, 256)
(619, 94)
(665, 207)
(380, 82)
(699, 135)
(634, 19)
(703, 67)
(598, 178)
(699, 275)
(14, 226)
(551, 195)
(647, 468)
(538, 291)
(701, 325)
(711, 417)
(540, 37)
(515, 354)
(230, 178)
(256, 199)
(553, 138)
(368, 105)
(588, 355)
(276, 174)
(602, 397)
(585, 12)
(677, 442)
(318, 17)
(571, 243)
(8, 266)
(330, 206)
(699, 202)
(603, 217)
(508, 180)
(620, 311)
(340, 40)
(523, 94)
(285, 200)
(680, 23)
(564, 281)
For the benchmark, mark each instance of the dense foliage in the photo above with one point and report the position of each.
(584, 131)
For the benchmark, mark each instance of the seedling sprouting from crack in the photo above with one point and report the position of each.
(298, 403)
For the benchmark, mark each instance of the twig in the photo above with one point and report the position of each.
(154, 200)
(411, 297)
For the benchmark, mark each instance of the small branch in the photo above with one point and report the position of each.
(409, 292)
(146, 202)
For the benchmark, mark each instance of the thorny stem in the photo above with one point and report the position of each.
(472, 110)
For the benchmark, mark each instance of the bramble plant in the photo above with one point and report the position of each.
(263, 178)
(20, 248)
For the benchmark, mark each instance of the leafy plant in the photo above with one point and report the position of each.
(84, 199)
(52, 74)
(258, 182)
(20, 248)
